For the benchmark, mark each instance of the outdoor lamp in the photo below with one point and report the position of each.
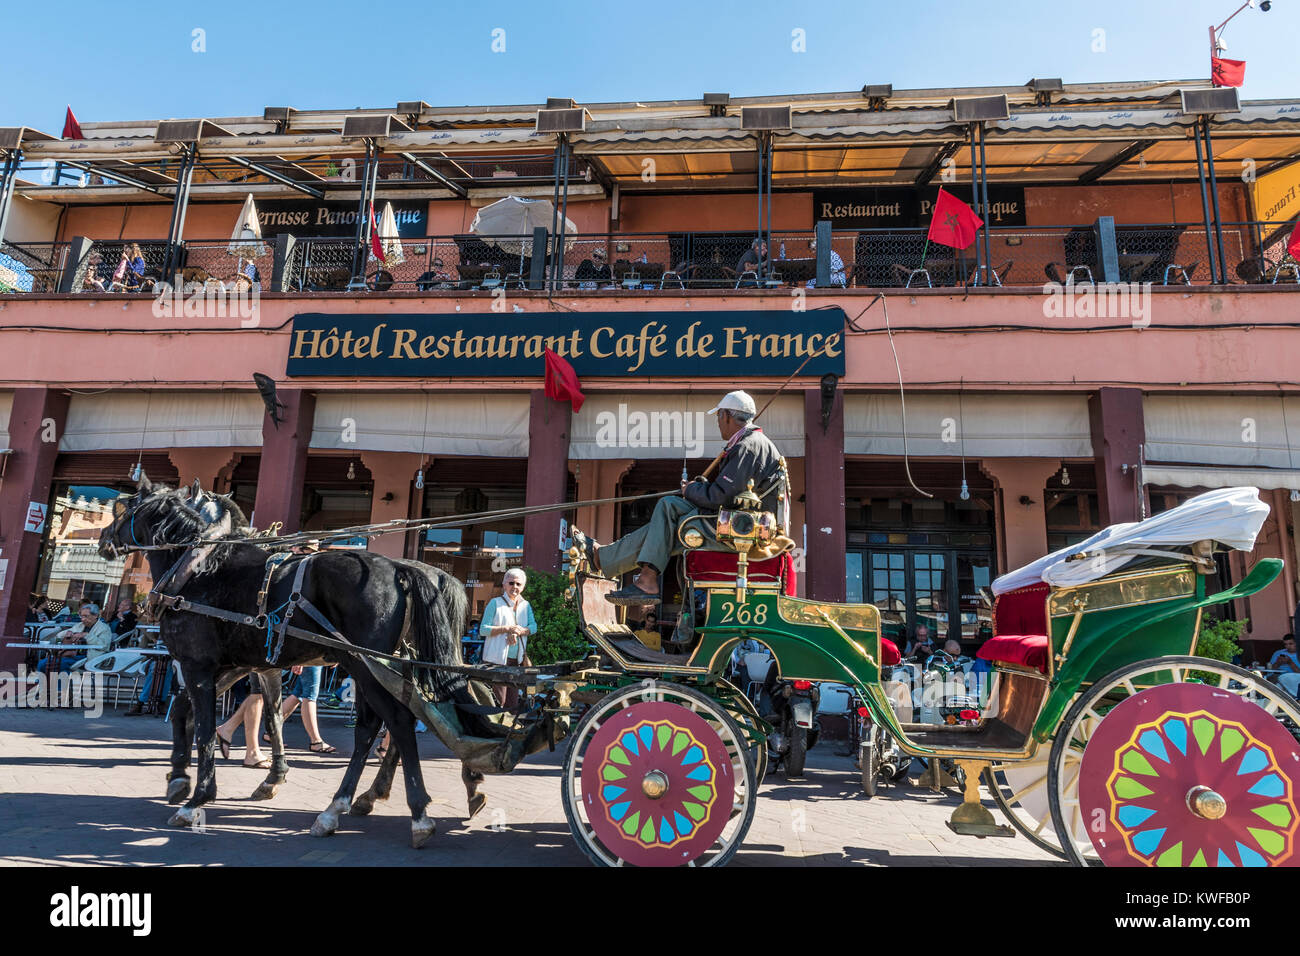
(965, 491)
(419, 479)
(1065, 475)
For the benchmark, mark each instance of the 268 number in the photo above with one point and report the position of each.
(744, 614)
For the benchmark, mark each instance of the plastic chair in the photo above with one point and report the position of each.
(906, 275)
(671, 276)
(117, 665)
(1184, 271)
(748, 279)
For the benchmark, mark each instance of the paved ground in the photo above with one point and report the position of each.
(75, 791)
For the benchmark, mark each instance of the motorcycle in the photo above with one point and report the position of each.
(791, 707)
(945, 700)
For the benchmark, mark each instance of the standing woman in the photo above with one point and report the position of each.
(508, 623)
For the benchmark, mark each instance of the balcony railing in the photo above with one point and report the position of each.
(865, 259)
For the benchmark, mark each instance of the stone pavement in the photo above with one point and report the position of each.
(78, 791)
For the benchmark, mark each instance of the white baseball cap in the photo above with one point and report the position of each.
(735, 402)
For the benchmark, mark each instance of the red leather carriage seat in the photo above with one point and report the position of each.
(889, 652)
(720, 566)
(1019, 629)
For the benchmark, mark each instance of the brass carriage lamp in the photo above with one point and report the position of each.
(741, 528)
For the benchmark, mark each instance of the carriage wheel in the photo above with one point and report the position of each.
(746, 715)
(1179, 761)
(1019, 788)
(658, 775)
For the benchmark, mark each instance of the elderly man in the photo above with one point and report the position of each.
(93, 632)
(748, 454)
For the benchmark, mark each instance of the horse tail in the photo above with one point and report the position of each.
(439, 608)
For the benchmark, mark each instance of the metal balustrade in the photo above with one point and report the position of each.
(681, 262)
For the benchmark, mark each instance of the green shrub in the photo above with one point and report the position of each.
(558, 637)
(1218, 640)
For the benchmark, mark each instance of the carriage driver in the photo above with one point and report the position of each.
(748, 454)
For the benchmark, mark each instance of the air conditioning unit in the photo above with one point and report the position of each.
(560, 103)
(561, 120)
(1204, 102)
(764, 117)
(979, 109)
(372, 127)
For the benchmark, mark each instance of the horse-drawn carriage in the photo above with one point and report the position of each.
(1103, 739)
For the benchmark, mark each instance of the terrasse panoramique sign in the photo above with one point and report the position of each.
(733, 345)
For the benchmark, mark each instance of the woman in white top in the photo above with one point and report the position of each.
(508, 623)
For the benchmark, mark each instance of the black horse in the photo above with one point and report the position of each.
(378, 604)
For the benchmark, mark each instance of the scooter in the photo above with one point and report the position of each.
(791, 707)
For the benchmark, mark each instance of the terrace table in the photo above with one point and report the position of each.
(1133, 265)
(53, 652)
(795, 270)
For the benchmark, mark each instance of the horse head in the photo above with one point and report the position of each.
(157, 515)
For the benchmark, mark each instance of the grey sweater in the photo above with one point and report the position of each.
(753, 456)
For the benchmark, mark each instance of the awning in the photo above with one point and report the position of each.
(1205, 476)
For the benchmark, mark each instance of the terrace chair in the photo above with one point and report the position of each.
(1287, 265)
(747, 279)
(1185, 271)
(1053, 270)
(904, 275)
(997, 273)
(117, 665)
(490, 281)
(671, 279)
(631, 280)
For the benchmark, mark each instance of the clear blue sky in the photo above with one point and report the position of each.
(136, 61)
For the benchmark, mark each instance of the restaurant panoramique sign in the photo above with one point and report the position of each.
(455, 345)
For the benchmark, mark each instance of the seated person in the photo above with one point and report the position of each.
(921, 648)
(838, 276)
(649, 634)
(753, 260)
(93, 632)
(591, 274)
(92, 282)
(133, 278)
(1287, 664)
(748, 454)
(435, 278)
(36, 610)
(953, 649)
(123, 620)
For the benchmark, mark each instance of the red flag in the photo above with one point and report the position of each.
(376, 246)
(1227, 72)
(71, 128)
(562, 381)
(1293, 244)
(954, 223)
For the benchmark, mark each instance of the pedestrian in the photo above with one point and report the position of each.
(508, 623)
(305, 691)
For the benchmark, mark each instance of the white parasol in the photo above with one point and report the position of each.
(389, 240)
(513, 216)
(246, 241)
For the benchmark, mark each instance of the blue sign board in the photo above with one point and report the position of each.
(735, 345)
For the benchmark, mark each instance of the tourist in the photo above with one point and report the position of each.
(93, 632)
(305, 691)
(921, 648)
(838, 276)
(133, 279)
(590, 275)
(508, 623)
(248, 714)
(1287, 664)
(123, 620)
(92, 282)
(36, 610)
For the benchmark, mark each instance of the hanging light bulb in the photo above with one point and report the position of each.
(965, 491)
(1295, 494)
(352, 471)
(419, 479)
(1065, 475)
(1142, 160)
(136, 472)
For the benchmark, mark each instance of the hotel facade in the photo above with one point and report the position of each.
(1123, 335)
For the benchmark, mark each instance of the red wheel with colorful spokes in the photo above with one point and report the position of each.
(1198, 771)
(658, 775)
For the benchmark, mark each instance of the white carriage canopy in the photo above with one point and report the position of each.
(1230, 516)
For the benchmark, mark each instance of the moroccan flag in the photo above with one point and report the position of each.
(1227, 72)
(562, 381)
(954, 223)
(376, 247)
(1293, 244)
(71, 128)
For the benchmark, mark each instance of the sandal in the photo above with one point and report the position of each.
(263, 764)
(224, 744)
(321, 747)
(381, 751)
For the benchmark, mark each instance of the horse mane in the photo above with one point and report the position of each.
(175, 519)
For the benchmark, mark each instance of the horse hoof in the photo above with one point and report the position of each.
(178, 790)
(265, 791)
(323, 827)
(184, 817)
(421, 831)
(476, 803)
(362, 805)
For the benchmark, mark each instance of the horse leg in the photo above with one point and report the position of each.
(368, 724)
(271, 691)
(328, 821)
(471, 779)
(203, 694)
(178, 781)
